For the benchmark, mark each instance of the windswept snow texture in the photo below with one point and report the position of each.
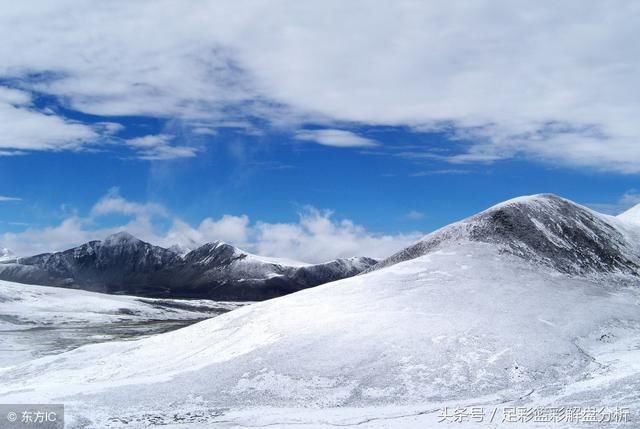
(481, 315)
(122, 264)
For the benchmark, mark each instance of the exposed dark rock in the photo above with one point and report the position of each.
(545, 229)
(122, 264)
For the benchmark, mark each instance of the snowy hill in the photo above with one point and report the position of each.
(544, 229)
(534, 302)
(123, 264)
(632, 215)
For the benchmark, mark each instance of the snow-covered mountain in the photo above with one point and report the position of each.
(124, 264)
(546, 230)
(532, 303)
(631, 215)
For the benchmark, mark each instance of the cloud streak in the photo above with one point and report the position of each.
(159, 148)
(335, 138)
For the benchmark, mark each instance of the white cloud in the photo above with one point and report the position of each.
(23, 128)
(316, 237)
(34, 241)
(108, 128)
(336, 138)
(14, 96)
(500, 72)
(444, 172)
(158, 147)
(204, 131)
(230, 229)
(5, 198)
(415, 215)
(113, 203)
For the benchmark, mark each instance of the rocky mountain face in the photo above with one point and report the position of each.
(123, 264)
(544, 229)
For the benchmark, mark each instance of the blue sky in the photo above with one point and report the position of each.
(282, 132)
(272, 176)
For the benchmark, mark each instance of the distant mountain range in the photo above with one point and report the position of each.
(123, 264)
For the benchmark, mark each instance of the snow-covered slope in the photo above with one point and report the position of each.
(30, 305)
(38, 320)
(123, 264)
(480, 315)
(632, 215)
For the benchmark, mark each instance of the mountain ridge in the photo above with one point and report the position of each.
(553, 231)
(124, 264)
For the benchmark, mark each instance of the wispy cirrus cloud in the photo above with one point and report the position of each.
(4, 198)
(441, 171)
(158, 147)
(415, 215)
(335, 138)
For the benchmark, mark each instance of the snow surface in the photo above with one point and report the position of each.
(465, 324)
(448, 327)
(43, 305)
(631, 215)
(39, 320)
(251, 258)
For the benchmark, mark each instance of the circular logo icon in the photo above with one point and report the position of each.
(12, 417)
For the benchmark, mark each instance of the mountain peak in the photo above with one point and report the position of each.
(544, 228)
(530, 200)
(216, 246)
(120, 238)
(217, 270)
